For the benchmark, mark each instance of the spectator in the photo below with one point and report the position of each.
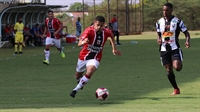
(9, 34)
(27, 35)
(41, 31)
(37, 35)
(114, 27)
(78, 28)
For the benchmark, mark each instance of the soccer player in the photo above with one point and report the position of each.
(52, 29)
(92, 40)
(114, 27)
(168, 29)
(19, 38)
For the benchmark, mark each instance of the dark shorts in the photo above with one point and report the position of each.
(115, 33)
(169, 56)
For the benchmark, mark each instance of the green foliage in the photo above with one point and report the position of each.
(68, 21)
(186, 10)
(77, 6)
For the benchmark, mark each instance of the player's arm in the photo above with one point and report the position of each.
(66, 29)
(84, 38)
(15, 28)
(186, 33)
(110, 25)
(159, 37)
(112, 41)
(45, 31)
(187, 36)
(60, 24)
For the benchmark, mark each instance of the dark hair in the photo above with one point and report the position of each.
(169, 5)
(50, 11)
(20, 17)
(100, 19)
(79, 18)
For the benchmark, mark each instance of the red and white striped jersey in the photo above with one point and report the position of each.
(52, 26)
(97, 39)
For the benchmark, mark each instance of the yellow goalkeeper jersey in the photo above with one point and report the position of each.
(19, 27)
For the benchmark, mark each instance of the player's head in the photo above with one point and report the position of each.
(115, 16)
(50, 14)
(78, 18)
(99, 23)
(167, 10)
(20, 19)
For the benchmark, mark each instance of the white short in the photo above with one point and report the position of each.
(82, 64)
(54, 41)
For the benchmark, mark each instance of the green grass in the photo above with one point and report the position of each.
(136, 81)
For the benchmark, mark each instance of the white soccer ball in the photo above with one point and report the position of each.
(102, 93)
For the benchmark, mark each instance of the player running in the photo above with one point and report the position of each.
(51, 32)
(92, 40)
(168, 30)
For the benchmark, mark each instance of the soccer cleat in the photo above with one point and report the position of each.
(73, 93)
(176, 91)
(20, 52)
(16, 52)
(62, 54)
(46, 62)
(118, 44)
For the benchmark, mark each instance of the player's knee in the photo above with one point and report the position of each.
(178, 68)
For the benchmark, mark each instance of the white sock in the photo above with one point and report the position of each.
(47, 54)
(84, 80)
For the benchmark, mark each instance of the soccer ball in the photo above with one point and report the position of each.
(102, 93)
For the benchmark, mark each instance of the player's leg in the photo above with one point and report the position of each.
(77, 36)
(117, 35)
(91, 67)
(47, 50)
(57, 44)
(114, 34)
(167, 63)
(16, 43)
(177, 58)
(21, 40)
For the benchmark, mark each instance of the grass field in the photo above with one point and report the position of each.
(136, 81)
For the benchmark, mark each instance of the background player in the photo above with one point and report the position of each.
(19, 38)
(114, 27)
(92, 40)
(78, 28)
(168, 29)
(52, 29)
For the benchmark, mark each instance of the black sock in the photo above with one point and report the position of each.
(172, 80)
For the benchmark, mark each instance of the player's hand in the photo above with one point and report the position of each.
(85, 41)
(159, 41)
(116, 52)
(55, 33)
(43, 36)
(187, 44)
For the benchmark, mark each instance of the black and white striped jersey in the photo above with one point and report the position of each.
(170, 30)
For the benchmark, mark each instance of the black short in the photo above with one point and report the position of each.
(168, 56)
(115, 33)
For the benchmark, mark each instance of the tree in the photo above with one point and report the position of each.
(185, 10)
(77, 6)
